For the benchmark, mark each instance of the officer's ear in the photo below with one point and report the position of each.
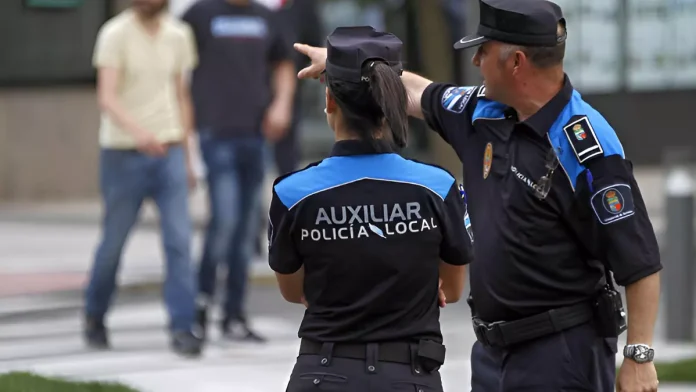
(519, 59)
(331, 105)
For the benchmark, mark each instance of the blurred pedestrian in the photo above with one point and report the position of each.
(243, 91)
(143, 57)
(303, 24)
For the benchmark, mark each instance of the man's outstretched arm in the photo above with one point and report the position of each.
(415, 84)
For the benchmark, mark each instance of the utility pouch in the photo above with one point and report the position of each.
(431, 355)
(610, 314)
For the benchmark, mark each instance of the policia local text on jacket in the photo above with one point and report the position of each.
(365, 230)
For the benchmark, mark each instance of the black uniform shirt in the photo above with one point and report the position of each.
(370, 229)
(534, 254)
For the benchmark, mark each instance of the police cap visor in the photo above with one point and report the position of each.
(517, 22)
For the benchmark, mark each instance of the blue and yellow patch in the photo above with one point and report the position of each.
(455, 98)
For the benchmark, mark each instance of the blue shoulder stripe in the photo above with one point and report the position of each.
(605, 134)
(488, 110)
(341, 170)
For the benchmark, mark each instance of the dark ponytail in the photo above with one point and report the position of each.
(378, 103)
(390, 94)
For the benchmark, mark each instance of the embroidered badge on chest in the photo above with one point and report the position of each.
(487, 160)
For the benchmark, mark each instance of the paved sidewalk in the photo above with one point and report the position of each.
(48, 259)
(51, 345)
(47, 248)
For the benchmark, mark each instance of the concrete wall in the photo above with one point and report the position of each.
(49, 139)
(48, 144)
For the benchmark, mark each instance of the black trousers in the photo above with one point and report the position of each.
(573, 360)
(354, 375)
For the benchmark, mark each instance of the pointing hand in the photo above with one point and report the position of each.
(318, 59)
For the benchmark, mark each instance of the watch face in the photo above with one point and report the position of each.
(642, 354)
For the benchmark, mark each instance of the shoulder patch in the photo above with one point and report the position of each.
(455, 98)
(582, 138)
(467, 219)
(462, 192)
(613, 203)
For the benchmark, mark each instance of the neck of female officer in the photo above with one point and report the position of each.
(536, 91)
(343, 132)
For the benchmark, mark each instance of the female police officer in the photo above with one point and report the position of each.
(360, 235)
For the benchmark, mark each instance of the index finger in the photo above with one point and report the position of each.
(302, 48)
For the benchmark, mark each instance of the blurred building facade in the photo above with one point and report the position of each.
(635, 60)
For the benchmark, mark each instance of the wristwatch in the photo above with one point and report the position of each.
(640, 353)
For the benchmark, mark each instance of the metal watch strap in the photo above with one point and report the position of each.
(640, 353)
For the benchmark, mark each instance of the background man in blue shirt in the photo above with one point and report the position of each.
(243, 91)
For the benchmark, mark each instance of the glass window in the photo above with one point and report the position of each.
(53, 3)
(662, 44)
(45, 46)
(592, 51)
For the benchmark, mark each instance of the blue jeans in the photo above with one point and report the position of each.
(235, 170)
(127, 178)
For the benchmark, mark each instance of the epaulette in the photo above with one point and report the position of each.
(582, 138)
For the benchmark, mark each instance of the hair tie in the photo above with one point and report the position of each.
(367, 78)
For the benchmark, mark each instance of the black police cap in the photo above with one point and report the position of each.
(517, 22)
(349, 48)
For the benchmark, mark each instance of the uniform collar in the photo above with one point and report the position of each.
(360, 147)
(542, 120)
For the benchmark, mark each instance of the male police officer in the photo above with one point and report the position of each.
(553, 200)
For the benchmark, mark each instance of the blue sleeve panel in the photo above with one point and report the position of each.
(604, 133)
(342, 170)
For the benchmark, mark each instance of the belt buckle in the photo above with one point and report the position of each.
(481, 330)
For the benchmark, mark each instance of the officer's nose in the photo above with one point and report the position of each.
(476, 60)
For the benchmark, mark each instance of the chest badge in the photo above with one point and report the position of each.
(487, 160)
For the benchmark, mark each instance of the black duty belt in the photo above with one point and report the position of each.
(507, 333)
(399, 352)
